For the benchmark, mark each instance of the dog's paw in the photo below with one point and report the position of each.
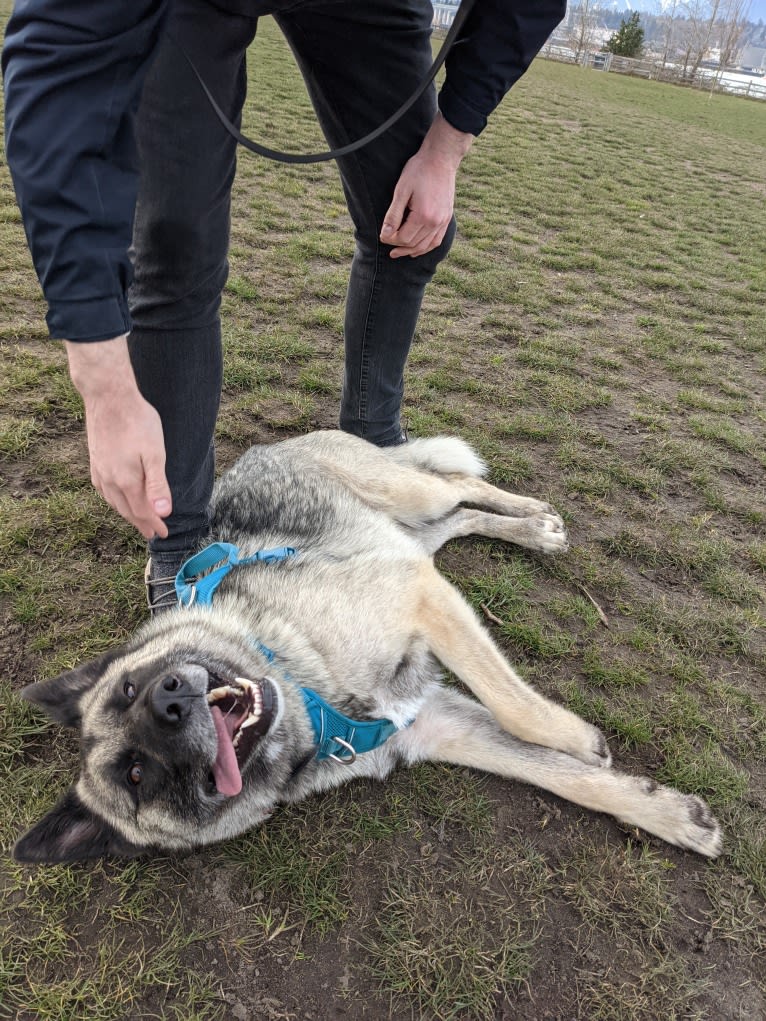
(697, 828)
(570, 733)
(528, 507)
(550, 532)
(544, 533)
(593, 750)
(681, 819)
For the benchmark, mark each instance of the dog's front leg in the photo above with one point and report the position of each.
(459, 641)
(452, 728)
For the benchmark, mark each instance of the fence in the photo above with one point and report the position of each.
(751, 86)
(444, 14)
(703, 78)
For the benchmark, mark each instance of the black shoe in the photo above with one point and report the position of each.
(160, 582)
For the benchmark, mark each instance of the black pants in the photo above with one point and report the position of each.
(360, 61)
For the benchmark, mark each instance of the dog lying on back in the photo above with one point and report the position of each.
(307, 650)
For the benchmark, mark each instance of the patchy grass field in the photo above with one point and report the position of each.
(599, 332)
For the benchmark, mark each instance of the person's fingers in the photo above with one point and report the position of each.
(424, 245)
(396, 214)
(414, 230)
(135, 494)
(156, 485)
(132, 511)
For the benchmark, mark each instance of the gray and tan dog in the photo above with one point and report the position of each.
(299, 669)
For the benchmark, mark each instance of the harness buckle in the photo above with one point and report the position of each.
(347, 760)
(192, 590)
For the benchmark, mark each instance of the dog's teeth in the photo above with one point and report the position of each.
(239, 686)
(248, 685)
(252, 718)
(218, 693)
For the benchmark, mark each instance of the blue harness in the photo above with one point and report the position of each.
(194, 586)
(338, 737)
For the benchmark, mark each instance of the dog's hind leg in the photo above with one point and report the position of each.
(544, 532)
(459, 641)
(412, 490)
(462, 468)
(453, 728)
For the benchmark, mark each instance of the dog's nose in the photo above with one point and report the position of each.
(171, 700)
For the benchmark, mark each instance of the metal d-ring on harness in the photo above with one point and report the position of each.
(338, 737)
(349, 759)
(321, 157)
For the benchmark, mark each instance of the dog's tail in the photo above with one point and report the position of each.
(446, 455)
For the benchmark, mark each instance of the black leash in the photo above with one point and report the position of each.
(321, 157)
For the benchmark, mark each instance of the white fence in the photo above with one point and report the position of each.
(444, 14)
(752, 86)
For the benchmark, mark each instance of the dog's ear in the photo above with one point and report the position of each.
(71, 832)
(60, 696)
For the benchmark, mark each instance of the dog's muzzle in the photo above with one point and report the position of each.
(242, 712)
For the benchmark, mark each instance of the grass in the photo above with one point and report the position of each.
(598, 333)
(439, 953)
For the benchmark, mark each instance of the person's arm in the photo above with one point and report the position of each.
(496, 46)
(73, 76)
(73, 73)
(498, 42)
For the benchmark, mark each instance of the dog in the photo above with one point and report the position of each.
(306, 650)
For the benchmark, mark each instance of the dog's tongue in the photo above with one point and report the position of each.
(225, 769)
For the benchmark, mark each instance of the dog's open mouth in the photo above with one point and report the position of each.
(242, 712)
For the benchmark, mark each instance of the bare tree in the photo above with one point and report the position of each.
(701, 17)
(734, 16)
(670, 33)
(581, 25)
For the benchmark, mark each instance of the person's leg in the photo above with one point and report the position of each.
(181, 238)
(360, 63)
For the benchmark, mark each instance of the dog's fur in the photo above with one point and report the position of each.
(362, 617)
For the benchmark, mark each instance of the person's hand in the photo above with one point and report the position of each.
(424, 197)
(125, 440)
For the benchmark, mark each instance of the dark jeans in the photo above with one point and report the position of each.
(360, 61)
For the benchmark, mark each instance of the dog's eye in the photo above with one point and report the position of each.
(136, 773)
(130, 690)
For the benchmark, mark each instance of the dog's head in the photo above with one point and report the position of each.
(179, 746)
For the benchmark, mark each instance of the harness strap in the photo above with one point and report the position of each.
(338, 737)
(191, 588)
(333, 154)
